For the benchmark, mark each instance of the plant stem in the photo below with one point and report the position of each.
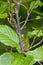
(31, 47)
(11, 19)
(40, 63)
(34, 38)
(18, 24)
(28, 14)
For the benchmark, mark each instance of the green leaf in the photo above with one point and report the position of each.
(38, 17)
(22, 60)
(2, 48)
(36, 32)
(31, 34)
(6, 59)
(8, 36)
(41, 4)
(31, 4)
(3, 7)
(37, 54)
(4, 15)
(40, 33)
(16, 59)
(34, 4)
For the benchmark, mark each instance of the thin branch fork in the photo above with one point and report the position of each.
(31, 20)
(18, 19)
(28, 14)
(34, 38)
(31, 47)
(11, 19)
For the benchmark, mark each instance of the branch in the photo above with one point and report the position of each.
(34, 38)
(31, 20)
(18, 28)
(40, 63)
(31, 47)
(18, 24)
(18, 3)
(11, 19)
(28, 14)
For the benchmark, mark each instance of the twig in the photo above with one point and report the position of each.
(11, 19)
(10, 13)
(31, 47)
(18, 19)
(27, 5)
(18, 24)
(30, 20)
(34, 38)
(40, 63)
(28, 14)
(24, 6)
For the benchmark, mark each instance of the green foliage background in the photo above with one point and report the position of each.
(10, 53)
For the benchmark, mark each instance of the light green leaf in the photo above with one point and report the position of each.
(7, 41)
(31, 4)
(4, 15)
(41, 4)
(37, 54)
(31, 34)
(35, 32)
(8, 36)
(6, 59)
(21, 60)
(16, 59)
(38, 17)
(40, 33)
(34, 4)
